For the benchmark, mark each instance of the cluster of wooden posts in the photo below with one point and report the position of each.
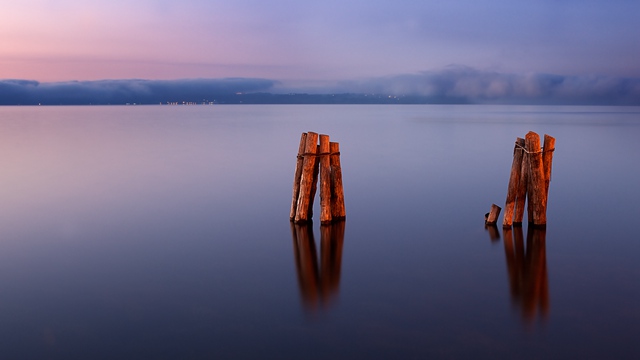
(530, 177)
(317, 160)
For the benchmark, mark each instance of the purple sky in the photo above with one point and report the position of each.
(322, 43)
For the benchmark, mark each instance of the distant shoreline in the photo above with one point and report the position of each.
(259, 98)
(311, 99)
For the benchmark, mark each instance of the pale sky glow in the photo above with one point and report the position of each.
(296, 42)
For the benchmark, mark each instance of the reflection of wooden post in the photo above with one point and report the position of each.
(306, 180)
(331, 240)
(514, 182)
(512, 269)
(527, 269)
(535, 295)
(318, 278)
(304, 247)
(537, 187)
(337, 234)
(529, 289)
(519, 256)
(337, 240)
(297, 176)
(540, 269)
(494, 234)
(325, 180)
(337, 193)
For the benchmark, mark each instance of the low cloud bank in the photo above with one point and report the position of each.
(468, 85)
(25, 92)
(454, 84)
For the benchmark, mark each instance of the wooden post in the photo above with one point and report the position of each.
(297, 176)
(307, 177)
(315, 161)
(547, 160)
(337, 193)
(514, 182)
(314, 183)
(529, 190)
(521, 195)
(325, 180)
(492, 216)
(536, 180)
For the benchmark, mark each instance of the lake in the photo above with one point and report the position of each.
(163, 232)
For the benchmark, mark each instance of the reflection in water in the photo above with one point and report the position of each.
(494, 234)
(318, 284)
(527, 269)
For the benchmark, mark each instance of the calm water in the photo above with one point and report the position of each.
(163, 233)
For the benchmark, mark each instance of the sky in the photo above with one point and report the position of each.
(492, 49)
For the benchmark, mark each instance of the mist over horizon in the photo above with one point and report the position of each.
(453, 84)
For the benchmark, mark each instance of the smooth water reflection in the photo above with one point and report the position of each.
(162, 232)
(494, 233)
(318, 277)
(527, 271)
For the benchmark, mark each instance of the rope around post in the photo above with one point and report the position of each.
(318, 154)
(542, 150)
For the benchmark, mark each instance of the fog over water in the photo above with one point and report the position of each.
(449, 85)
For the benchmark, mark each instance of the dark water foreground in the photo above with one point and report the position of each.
(163, 232)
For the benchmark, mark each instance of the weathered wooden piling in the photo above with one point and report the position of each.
(537, 193)
(296, 176)
(314, 182)
(306, 179)
(521, 195)
(317, 161)
(547, 160)
(492, 216)
(514, 181)
(325, 180)
(337, 193)
(530, 184)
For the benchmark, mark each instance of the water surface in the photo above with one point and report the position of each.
(163, 232)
